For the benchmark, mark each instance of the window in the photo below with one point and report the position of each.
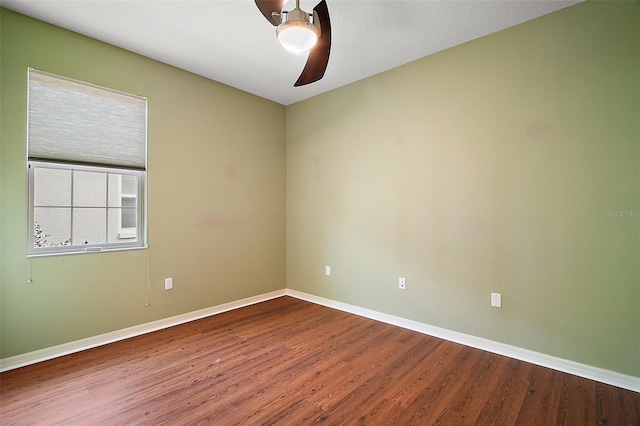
(86, 167)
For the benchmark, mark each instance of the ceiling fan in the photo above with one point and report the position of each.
(298, 34)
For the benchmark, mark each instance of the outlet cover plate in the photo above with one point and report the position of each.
(496, 300)
(402, 283)
(168, 283)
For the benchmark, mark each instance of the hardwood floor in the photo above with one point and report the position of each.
(290, 362)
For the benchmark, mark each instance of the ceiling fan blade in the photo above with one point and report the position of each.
(267, 7)
(319, 55)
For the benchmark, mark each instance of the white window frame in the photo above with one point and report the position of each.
(58, 142)
(134, 239)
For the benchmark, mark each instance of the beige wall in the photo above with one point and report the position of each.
(494, 166)
(216, 197)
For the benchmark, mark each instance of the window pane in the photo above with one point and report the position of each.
(114, 189)
(52, 226)
(120, 185)
(114, 225)
(129, 215)
(89, 226)
(52, 187)
(129, 185)
(89, 189)
(118, 233)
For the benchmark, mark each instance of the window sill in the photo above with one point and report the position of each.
(88, 250)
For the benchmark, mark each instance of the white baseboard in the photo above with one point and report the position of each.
(103, 339)
(571, 367)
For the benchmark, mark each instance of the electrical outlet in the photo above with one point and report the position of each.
(168, 283)
(402, 283)
(327, 270)
(496, 300)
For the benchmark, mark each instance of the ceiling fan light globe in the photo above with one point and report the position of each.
(296, 36)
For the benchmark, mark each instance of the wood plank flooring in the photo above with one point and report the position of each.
(290, 362)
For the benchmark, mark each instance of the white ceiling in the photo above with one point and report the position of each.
(231, 42)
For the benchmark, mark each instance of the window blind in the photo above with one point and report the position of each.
(71, 121)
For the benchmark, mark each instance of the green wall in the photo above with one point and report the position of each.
(508, 164)
(216, 197)
(494, 166)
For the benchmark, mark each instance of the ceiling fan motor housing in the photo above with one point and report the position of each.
(296, 33)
